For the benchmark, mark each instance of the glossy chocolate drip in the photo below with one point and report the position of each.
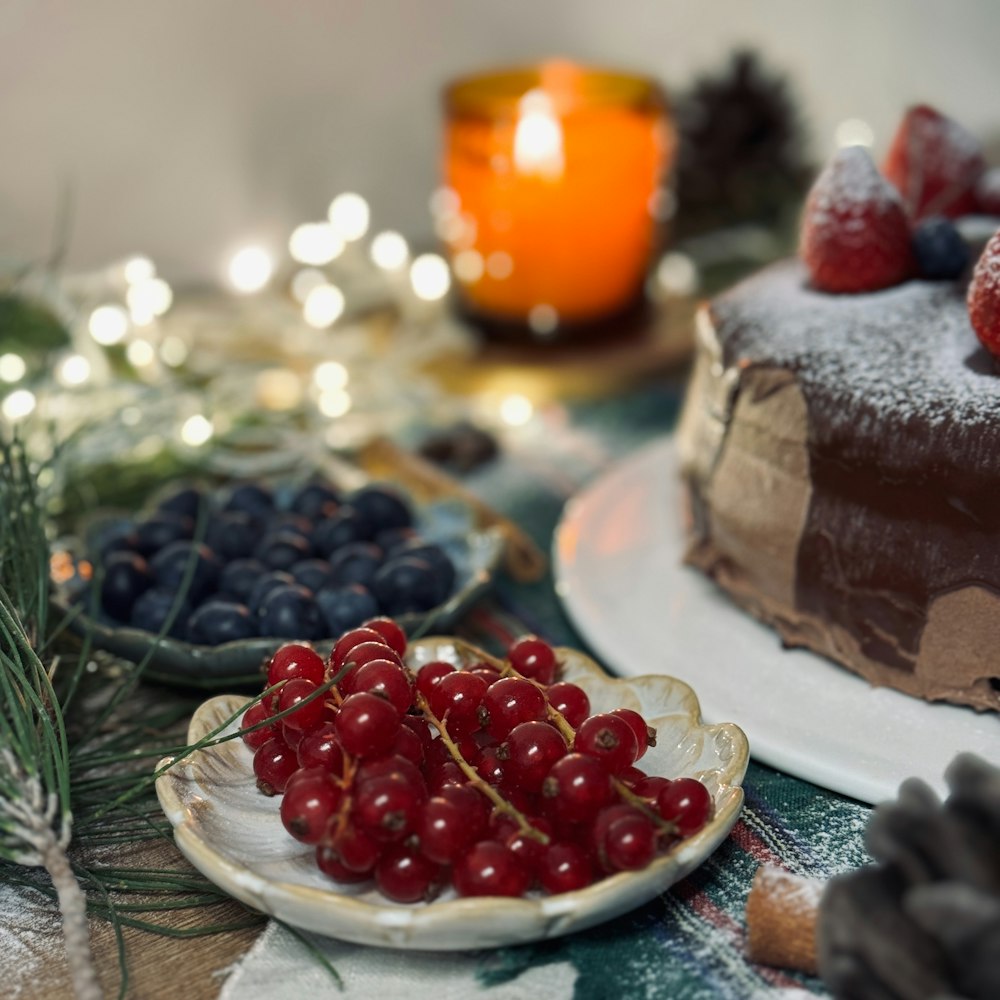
(903, 443)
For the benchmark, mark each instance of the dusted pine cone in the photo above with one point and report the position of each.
(741, 157)
(925, 921)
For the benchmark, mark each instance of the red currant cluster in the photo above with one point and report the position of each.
(495, 775)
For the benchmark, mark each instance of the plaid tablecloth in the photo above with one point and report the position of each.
(687, 944)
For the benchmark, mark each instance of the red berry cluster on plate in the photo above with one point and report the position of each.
(863, 231)
(492, 776)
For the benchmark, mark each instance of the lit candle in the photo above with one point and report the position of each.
(553, 176)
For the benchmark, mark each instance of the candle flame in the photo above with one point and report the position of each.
(538, 136)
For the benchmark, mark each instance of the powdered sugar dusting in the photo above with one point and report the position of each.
(799, 896)
(897, 376)
(30, 938)
(847, 193)
(986, 278)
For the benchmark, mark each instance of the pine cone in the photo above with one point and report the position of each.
(925, 921)
(741, 156)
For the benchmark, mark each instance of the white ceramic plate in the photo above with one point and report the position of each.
(619, 574)
(234, 836)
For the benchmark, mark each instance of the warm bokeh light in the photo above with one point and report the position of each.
(148, 299)
(543, 319)
(315, 243)
(334, 402)
(108, 325)
(74, 370)
(279, 389)
(349, 216)
(516, 410)
(677, 274)
(499, 265)
(389, 251)
(324, 305)
(12, 367)
(140, 353)
(197, 430)
(138, 268)
(330, 375)
(430, 277)
(468, 266)
(854, 132)
(19, 404)
(250, 269)
(304, 281)
(174, 351)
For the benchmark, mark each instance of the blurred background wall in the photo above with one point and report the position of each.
(186, 127)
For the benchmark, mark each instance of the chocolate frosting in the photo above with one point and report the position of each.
(903, 443)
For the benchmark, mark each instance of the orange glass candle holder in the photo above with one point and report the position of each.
(554, 181)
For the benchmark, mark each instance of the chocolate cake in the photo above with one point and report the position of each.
(842, 459)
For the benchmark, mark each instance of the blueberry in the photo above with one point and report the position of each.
(383, 507)
(290, 612)
(392, 539)
(344, 608)
(251, 497)
(295, 524)
(939, 248)
(185, 501)
(405, 585)
(118, 537)
(439, 561)
(170, 566)
(160, 529)
(346, 526)
(316, 499)
(233, 534)
(126, 576)
(151, 610)
(313, 574)
(218, 621)
(264, 585)
(356, 562)
(239, 577)
(282, 550)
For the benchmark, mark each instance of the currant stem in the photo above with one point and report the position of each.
(474, 778)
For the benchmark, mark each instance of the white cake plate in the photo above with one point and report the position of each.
(618, 569)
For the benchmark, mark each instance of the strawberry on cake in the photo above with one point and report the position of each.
(840, 441)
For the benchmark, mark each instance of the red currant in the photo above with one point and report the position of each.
(355, 849)
(307, 805)
(295, 660)
(534, 658)
(455, 700)
(390, 631)
(570, 701)
(490, 767)
(608, 738)
(305, 717)
(628, 844)
(530, 751)
(645, 734)
(321, 749)
(273, 764)
(366, 725)
(386, 679)
(576, 787)
(489, 869)
(251, 717)
(685, 802)
(489, 674)
(405, 875)
(347, 642)
(430, 674)
(330, 864)
(407, 744)
(442, 830)
(475, 808)
(509, 701)
(387, 806)
(565, 867)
